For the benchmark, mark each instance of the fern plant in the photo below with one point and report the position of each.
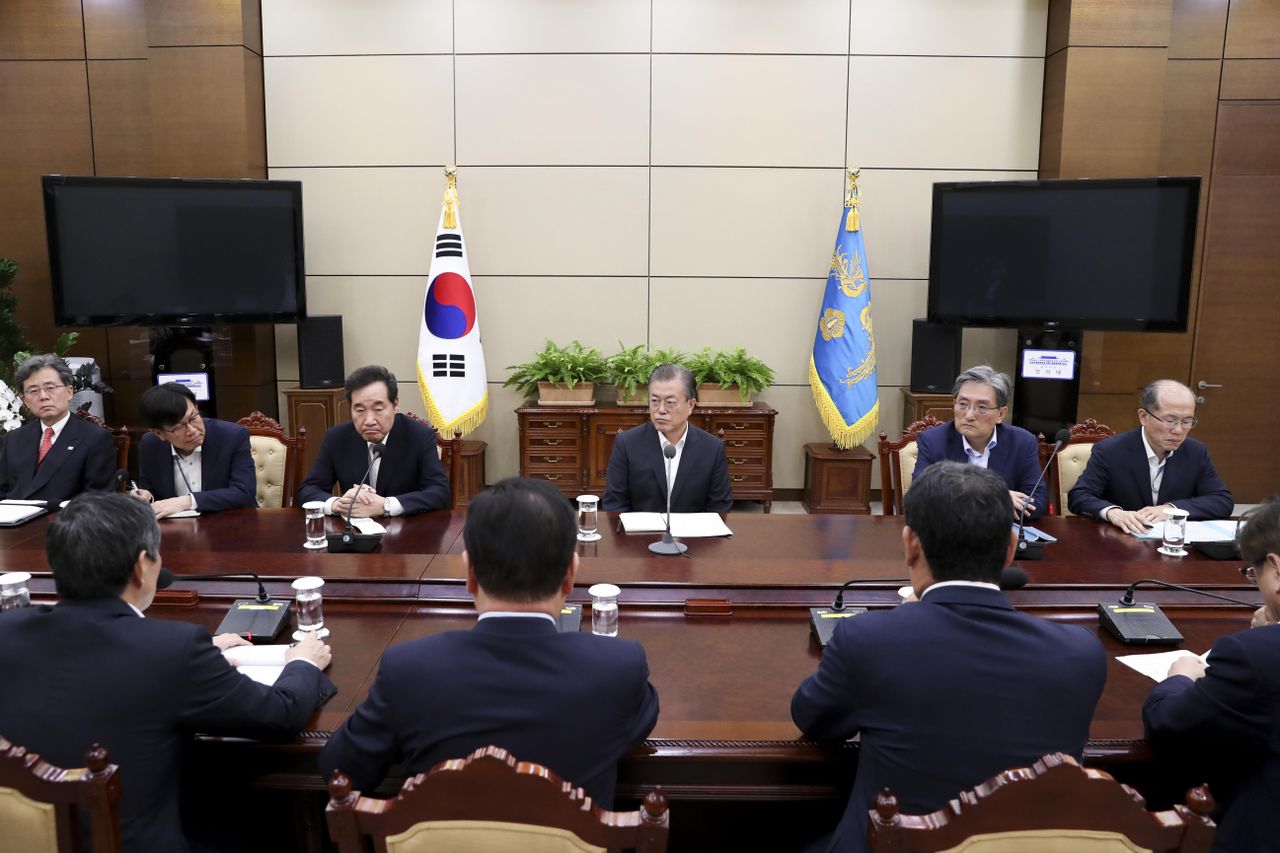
(737, 367)
(629, 368)
(566, 365)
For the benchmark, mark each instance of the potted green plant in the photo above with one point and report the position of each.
(559, 376)
(729, 378)
(628, 369)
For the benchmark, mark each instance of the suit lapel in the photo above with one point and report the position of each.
(657, 462)
(22, 447)
(390, 455)
(62, 450)
(1143, 470)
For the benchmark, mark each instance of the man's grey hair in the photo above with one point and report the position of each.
(36, 363)
(667, 372)
(1150, 397)
(987, 375)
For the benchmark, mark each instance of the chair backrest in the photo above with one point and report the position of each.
(1071, 460)
(43, 808)
(120, 436)
(898, 464)
(1054, 806)
(490, 802)
(276, 459)
(450, 451)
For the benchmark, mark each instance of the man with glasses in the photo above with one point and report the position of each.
(1221, 720)
(188, 462)
(1132, 478)
(979, 436)
(55, 456)
(637, 473)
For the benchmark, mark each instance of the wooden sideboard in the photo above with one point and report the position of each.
(570, 446)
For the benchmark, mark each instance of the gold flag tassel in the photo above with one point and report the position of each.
(451, 197)
(853, 221)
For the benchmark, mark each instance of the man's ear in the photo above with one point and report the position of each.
(138, 576)
(566, 586)
(911, 546)
(472, 585)
(1013, 549)
(158, 434)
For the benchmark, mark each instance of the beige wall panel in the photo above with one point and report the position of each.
(561, 26)
(555, 221)
(947, 28)
(774, 319)
(944, 112)
(995, 347)
(745, 222)
(120, 95)
(501, 432)
(553, 110)
(748, 110)
(750, 26)
(894, 304)
(368, 221)
(519, 314)
(287, 356)
(301, 27)
(41, 29)
(359, 110)
(896, 209)
(379, 319)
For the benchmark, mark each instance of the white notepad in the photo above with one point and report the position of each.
(1156, 665)
(686, 525)
(261, 663)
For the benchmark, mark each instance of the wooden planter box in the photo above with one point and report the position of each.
(640, 398)
(558, 394)
(711, 394)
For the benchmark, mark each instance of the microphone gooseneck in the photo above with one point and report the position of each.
(375, 453)
(1127, 598)
(262, 590)
(838, 603)
(1062, 437)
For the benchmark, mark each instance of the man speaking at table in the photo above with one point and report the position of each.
(572, 702)
(404, 471)
(950, 690)
(92, 670)
(637, 472)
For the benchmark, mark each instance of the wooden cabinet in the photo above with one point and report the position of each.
(570, 446)
(918, 404)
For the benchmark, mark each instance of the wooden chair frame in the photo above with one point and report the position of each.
(450, 457)
(1087, 431)
(89, 793)
(891, 491)
(1055, 793)
(491, 785)
(121, 437)
(294, 449)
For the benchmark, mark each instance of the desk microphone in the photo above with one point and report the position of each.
(349, 541)
(258, 620)
(1035, 550)
(1144, 623)
(669, 545)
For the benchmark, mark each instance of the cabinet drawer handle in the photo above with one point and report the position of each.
(734, 425)
(551, 425)
(738, 478)
(737, 444)
(551, 460)
(552, 442)
(734, 461)
(551, 476)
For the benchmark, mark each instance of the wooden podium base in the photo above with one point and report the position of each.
(837, 481)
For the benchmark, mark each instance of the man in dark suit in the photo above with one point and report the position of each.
(405, 474)
(91, 669)
(1133, 477)
(188, 461)
(637, 473)
(979, 436)
(573, 702)
(56, 456)
(1222, 721)
(950, 690)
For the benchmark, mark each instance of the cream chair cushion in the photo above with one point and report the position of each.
(1072, 460)
(907, 457)
(482, 836)
(269, 457)
(28, 826)
(1048, 841)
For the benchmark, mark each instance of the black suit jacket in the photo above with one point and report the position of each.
(946, 693)
(1016, 457)
(227, 480)
(637, 474)
(92, 671)
(410, 470)
(83, 459)
(575, 703)
(1118, 475)
(1225, 729)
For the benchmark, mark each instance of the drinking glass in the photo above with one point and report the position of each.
(310, 607)
(588, 518)
(13, 590)
(315, 524)
(1175, 532)
(604, 609)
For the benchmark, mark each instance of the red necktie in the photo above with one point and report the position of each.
(45, 444)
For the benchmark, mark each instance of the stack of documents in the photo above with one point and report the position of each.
(261, 663)
(1156, 666)
(1198, 531)
(684, 525)
(16, 512)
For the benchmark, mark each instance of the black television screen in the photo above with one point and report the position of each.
(1084, 254)
(170, 251)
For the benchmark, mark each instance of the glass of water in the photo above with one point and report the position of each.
(309, 603)
(315, 523)
(1175, 532)
(604, 609)
(588, 518)
(13, 591)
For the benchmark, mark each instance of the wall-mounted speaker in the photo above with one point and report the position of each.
(320, 363)
(935, 356)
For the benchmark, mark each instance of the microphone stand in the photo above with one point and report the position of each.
(669, 546)
(349, 541)
(1035, 550)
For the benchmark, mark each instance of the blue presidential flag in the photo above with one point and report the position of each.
(842, 370)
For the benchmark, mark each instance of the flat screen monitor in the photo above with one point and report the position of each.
(174, 252)
(1082, 254)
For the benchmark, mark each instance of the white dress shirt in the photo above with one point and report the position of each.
(675, 460)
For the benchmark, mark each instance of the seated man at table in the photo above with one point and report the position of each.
(979, 436)
(1222, 721)
(57, 455)
(396, 453)
(572, 702)
(950, 690)
(189, 462)
(637, 473)
(92, 670)
(1133, 477)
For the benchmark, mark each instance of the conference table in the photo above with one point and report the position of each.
(726, 630)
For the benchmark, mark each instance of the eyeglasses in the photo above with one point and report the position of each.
(979, 409)
(1250, 573)
(184, 424)
(669, 403)
(1171, 422)
(47, 388)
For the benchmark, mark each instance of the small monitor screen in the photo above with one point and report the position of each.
(197, 382)
(1049, 364)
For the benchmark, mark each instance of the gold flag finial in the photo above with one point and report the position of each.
(853, 221)
(451, 196)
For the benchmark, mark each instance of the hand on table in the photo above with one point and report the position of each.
(312, 649)
(229, 641)
(1128, 521)
(1264, 616)
(1189, 665)
(367, 505)
(1021, 501)
(169, 506)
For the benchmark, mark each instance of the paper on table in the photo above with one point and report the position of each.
(367, 525)
(21, 502)
(1156, 665)
(686, 525)
(1198, 531)
(261, 663)
(16, 514)
(186, 513)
